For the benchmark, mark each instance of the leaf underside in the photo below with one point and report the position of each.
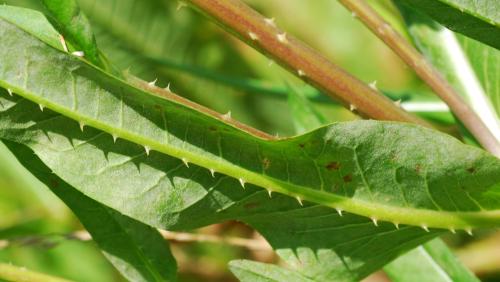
(374, 170)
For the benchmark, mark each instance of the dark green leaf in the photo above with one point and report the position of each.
(138, 251)
(75, 27)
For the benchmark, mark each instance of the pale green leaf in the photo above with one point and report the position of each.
(250, 271)
(473, 74)
(478, 19)
(432, 261)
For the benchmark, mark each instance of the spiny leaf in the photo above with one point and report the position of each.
(477, 19)
(382, 170)
(138, 251)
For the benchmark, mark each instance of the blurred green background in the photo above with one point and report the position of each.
(204, 63)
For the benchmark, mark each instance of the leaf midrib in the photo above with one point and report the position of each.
(411, 216)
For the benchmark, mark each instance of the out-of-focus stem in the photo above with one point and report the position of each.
(309, 65)
(426, 71)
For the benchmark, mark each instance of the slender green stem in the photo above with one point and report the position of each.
(263, 34)
(426, 71)
(10, 272)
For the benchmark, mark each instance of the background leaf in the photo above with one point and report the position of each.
(75, 26)
(477, 19)
(138, 251)
(432, 261)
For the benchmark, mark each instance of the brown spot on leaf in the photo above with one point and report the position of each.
(333, 166)
(212, 128)
(471, 169)
(250, 206)
(418, 168)
(54, 183)
(302, 145)
(265, 163)
(347, 178)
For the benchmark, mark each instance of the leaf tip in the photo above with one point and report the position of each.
(63, 43)
(78, 54)
(82, 125)
(339, 211)
(185, 161)
(299, 200)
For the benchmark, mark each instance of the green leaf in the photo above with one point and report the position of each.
(441, 47)
(477, 19)
(138, 251)
(304, 115)
(431, 262)
(250, 271)
(354, 166)
(367, 168)
(74, 25)
(485, 61)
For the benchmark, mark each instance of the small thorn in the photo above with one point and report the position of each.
(452, 230)
(82, 124)
(469, 231)
(185, 161)
(180, 5)
(9, 91)
(115, 137)
(373, 85)
(375, 222)
(398, 103)
(282, 37)
(299, 200)
(269, 192)
(352, 107)
(354, 15)
(242, 182)
(63, 43)
(424, 227)
(168, 87)
(339, 211)
(78, 54)
(270, 22)
(153, 83)
(270, 63)
(301, 73)
(253, 36)
(147, 149)
(41, 107)
(226, 116)
(397, 225)
(212, 172)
